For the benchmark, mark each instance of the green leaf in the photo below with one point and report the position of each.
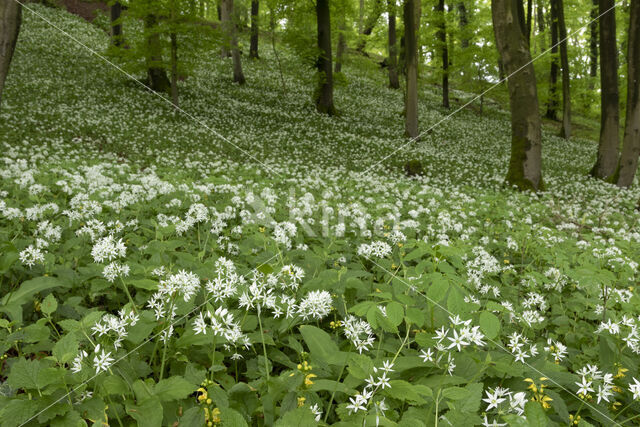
(174, 388)
(489, 324)
(24, 374)
(147, 414)
(192, 417)
(535, 414)
(232, 418)
(321, 345)
(438, 289)
(12, 302)
(146, 284)
(17, 412)
(49, 305)
(395, 313)
(65, 349)
(299, 417)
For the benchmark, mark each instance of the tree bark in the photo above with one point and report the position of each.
(529, 17)
(324, 91)
(540, 21)
(441, 35)
(631, 141)
(394, 82)
(593, 40)
(156, 74)
(10, 20)
(552, 102)
(116, 25)
(525, 163)
(565, 128)
(174, 58)
(238, 75)
(607, 158)
(411, 64)
(255, 28)
(464, 21)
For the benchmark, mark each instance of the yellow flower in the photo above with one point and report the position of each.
(301, 401)
(202, 394)
(215, 416)
(308, 378)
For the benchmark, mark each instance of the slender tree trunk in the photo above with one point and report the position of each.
(607, 159)
(441, 35)
(529, 17)
(255, 28)
(525, 163)
(540, 21)
(565, 129)
(631, 141)
(394, 82)
(593, 40)
(411, 61)
(552, 102)
(464, 22)
(116, 26)
(361, 17)
(324, 91)
(156, 74)
(238, 75)
(10, 20)
(342, 43)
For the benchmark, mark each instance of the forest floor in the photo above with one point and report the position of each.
(106, 186)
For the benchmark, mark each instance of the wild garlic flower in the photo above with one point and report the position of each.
(359, 332)
(316, 305)
(31, 255)
(108, 249)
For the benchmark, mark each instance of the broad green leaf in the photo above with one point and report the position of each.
(49, 305)
(321, 345)
(535, 414)
(299, 417)
(65, 349)
(148, 414)
(438, 288)
(12, 302)
(174, 388)
(489, 324)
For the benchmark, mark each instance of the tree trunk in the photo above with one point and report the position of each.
(342, 44)
(565, 129)
(540, 20)
(529, 17)
(441, 35)
(631, 141)
(10, 20)
(525, 163)
(255, 28)
(156, 74)
(238, 75)
(361, 17)
(464, 21)
(593, 40)
(394, 82)
(116, 25)
(552, 102)
(411, 64)
(324, 91)
(607, 159)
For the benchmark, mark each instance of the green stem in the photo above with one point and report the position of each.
(126, 290)
(264, 347)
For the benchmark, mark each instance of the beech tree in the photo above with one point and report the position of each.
(394, 82)
(525, 164)
(552, 101)
(607, 158)
(116, 25)
(324, 91)
(411, 67)
(10, 19)
(441, 35)
(631, 141)
(255, 28)
(231, 39)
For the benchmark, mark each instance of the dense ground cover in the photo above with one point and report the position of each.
(153, 272)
